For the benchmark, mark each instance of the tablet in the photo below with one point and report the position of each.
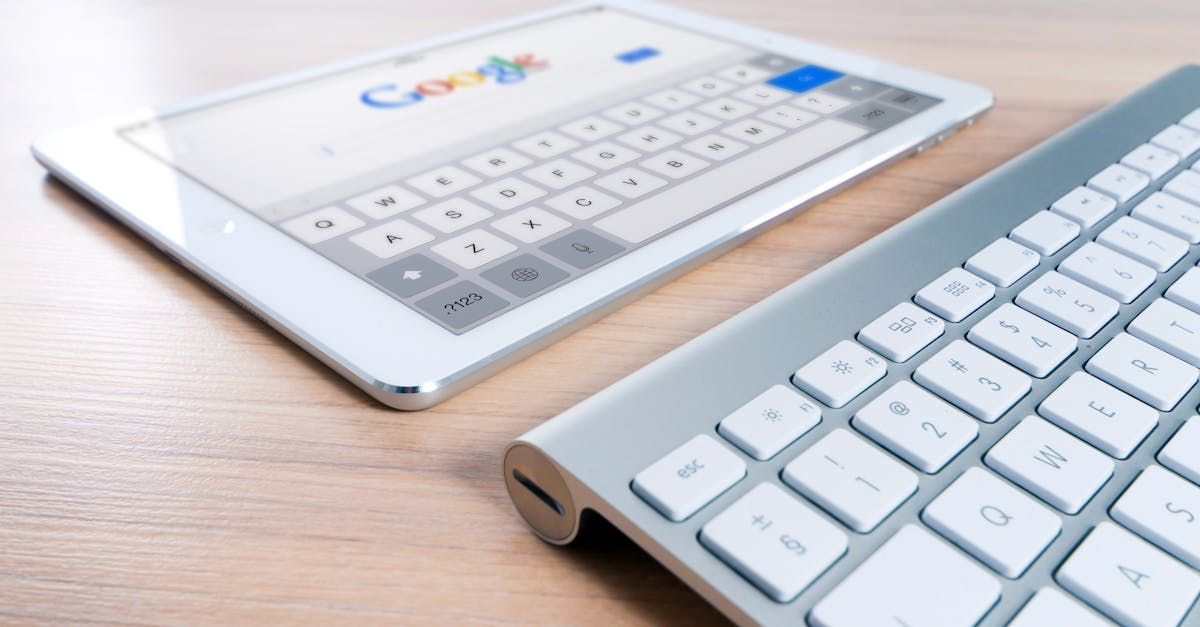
(420, 217)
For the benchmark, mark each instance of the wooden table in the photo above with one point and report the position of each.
(167, 458)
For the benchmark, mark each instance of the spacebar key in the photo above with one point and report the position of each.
(719, 185)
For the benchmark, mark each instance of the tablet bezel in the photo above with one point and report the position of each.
(387, 349)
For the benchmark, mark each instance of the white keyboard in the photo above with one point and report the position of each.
(990, 416)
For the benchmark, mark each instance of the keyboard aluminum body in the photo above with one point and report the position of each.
(581, 463)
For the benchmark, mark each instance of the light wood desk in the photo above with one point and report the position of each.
(166, 458)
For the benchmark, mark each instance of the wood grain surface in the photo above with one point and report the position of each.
(165, 458)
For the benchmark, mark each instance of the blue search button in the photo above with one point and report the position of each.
(805, 78)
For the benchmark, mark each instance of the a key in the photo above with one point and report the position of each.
(1108, 271)
(774, 540)
(1023, 340)
(1151, 159)
(1178, 139)
(1171, 328)
(980, 384)
(1085, 206)
(1051, 607)
(1150, 245)
(1003, 262)
(688, 477)
(1068, 304)
(851, 480)
(1099, 414)
(1143, 371)
(1050, 463)
(916, 425)
(1171, 214)
(956, 294)
(1164, 509)
(770, 422)
(914, 579)
(993, 521)
(902, 332)
(841, 373)
(1186, 290)
(1185, 185)
(1129, 580)
(1180, 453)
(1119, 181)
(1045, 232)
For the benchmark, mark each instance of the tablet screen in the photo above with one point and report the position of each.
(472, 177)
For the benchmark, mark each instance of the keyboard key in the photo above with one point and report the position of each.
(443, 181)
(1120, 182)
(672, 99)
(558, 174)
(583, 203)
(1192, 120)
(762, 95)
(630, 182)
(1085, 206)
(508, 193)
(606, 155)
(321, 225)
(633, 113)
(675, 164)
(524, 275)
(744, 74)
(1068, 303)
(1186, 185)
(1108, 271)
(545, 145)
(753, 131)
(726, 109)
(715, 147)
(530, 224)
(461, 305)
(1051, 607)
(385, 202)
(1023, 340)
(582, 249)
(1050, 463)
(1099, 414)
(1128, 580)
(591, 128)
(993, 521)
(649, 138)
(496, 162)
(1045, 232)
(902, 332)
(474, 248)
(917, 426)
(771, 421)
(392, 238)
(1164, 509)
(1151, 159)
(841, 373)
(851, 480)
(1143, 371)
(1179, 218)
(788, 116)
(453, 215)
(913, 579)
(689, 123)
(1180, 453)
(690, 476)
(775, 541)
(980, 384)
(1178, 139)
(1003, 262)
(411, 275)
(1186, 290)
(1171, 328)
(821, 102)
(956, 294)
(708, 86)
(1150, 245)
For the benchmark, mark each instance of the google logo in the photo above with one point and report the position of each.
(502, 71)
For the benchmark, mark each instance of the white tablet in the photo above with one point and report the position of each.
(420, 217)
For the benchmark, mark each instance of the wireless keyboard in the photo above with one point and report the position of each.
(985, 415)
